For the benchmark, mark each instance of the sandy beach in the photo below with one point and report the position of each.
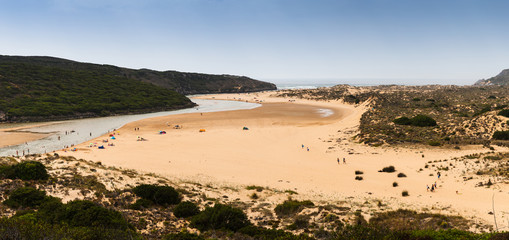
(15, 136)
(274, 153)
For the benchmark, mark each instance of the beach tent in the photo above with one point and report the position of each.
(245, 128)
(113, 138)
(202, 130)
(162, 132)
(101, 147)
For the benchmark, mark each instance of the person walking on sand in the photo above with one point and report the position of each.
(338, 160)
(344, 161)
(308, 149)
(438, 174)
(302, 146)
(427, 188)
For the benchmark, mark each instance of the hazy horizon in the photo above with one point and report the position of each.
(394, 41)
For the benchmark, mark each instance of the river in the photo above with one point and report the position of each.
(73, 132)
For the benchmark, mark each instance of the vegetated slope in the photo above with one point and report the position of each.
(501, 79)
(37, 92)
(463, 115)
(185, 83)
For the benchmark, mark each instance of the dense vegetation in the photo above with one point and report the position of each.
(36, 87)
(38, 92)
(26, 170)
(160, 195)
(501, 135)
(76, 219)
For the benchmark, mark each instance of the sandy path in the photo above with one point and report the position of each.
(270, 154)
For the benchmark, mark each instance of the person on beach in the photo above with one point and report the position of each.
(427, 188)
(432, 188)
(344, 160)
(438, 174)
(308, 149)
(338, 160)
(302, 146)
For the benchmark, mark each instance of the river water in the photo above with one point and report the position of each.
(73, 132)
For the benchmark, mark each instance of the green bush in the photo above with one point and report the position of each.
(31, 170)
(141, 204)
(423, 121)
(183, 236)
(220, 217)
(501, 135)
(504, 113)
(25, 197)
(404, 193)
(388, 169)
(401, 175)
(290, 207)
(434, 143)
(27, 170)
(394, 184)
(20, 228)
(185, 209)
(81, 213)
(418, 121)
(160, 195)
(402, 121)
(264, 233)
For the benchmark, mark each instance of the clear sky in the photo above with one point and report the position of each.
(343, 41)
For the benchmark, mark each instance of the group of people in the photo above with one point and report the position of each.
(434, 185)
(306, 147)
(344, 161)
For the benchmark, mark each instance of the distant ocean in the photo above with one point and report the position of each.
(303, 85)
(283, 86)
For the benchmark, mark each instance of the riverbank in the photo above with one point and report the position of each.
(274, 153)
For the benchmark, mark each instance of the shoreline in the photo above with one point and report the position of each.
(270, 154)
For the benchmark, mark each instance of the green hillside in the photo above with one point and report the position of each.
(36, 92)
(185, 83)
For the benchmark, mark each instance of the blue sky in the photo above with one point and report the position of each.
(342, 41)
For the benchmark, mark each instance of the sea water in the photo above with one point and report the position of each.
(73, 132)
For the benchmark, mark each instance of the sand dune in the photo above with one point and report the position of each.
(270, 154)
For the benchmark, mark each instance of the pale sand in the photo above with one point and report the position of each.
(270, 154)
(10, 138)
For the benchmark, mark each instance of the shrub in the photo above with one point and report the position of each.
(402, 121)
(185, 209)
(388, 169)
(394, 184)
(27, 170)
(300, 222)
(358, 178)
(434, 143)
(290, 207)
(423, 121)
(254, 196)
(81, 213)
(400, 175)
(357, 172)
(20, 228)
(25, 197)
(31, 170)
(253, 187)
(220, 217)
(501, 135)
(183, 236)
(160, 195)
(504, 113)
(141, 204)
(404, 193)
